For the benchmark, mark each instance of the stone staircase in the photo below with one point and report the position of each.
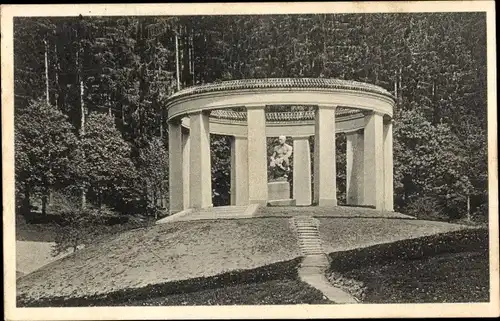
(315, 264)
(308, 234)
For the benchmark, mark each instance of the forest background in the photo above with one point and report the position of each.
(90, 93)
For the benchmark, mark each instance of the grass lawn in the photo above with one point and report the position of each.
(450, 277)
(345, 234)
(270, 292)
(163, 253)
(448, 267)
(319, 211)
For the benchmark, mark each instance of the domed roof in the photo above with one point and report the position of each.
(283, 83)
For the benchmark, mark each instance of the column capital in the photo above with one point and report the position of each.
(388, 120)
(256, 106)
(199, 112)
(175, 121)
(355, 131)
(301, 137)
(325, 106)
(372, 112)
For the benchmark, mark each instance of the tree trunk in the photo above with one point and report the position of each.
(83, 198)
(56, 72)
(82, 109)
(26, 201)
(468, 209)
(46, 71)
(99, 200)
(177, 67)
(45, 195)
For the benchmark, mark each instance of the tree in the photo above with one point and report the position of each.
(153, 173)
(429, 163)
(220, 150)
(44, 146)
(106, 170)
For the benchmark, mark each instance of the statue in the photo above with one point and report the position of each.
(280, 165)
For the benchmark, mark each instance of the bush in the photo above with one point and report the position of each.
(78, 227)
(425, 208)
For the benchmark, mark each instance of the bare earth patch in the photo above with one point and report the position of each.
(163, 253)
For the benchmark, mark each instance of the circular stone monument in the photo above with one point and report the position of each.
(238, 108)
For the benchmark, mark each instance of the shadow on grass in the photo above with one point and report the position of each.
(279, 271)
(448, 267)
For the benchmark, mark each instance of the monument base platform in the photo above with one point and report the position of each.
(278, 190)
(279, 193)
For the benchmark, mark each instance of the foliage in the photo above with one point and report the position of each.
(106, 170)
(153, 174)
(429, 162)
(44, 148)
(126, 67)
(220, 150)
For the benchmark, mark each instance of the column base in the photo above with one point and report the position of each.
(326, 202)
(174, 211)
(260, 202)
(283, 202)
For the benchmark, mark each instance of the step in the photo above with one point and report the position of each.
(311, 248)
(310, 240)
(309, 237)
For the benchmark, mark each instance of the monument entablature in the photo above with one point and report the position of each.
(244, 110)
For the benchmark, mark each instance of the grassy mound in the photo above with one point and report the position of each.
(283, 291)
(272, 284)
(336, 211)
(162, 254)
(341, 234)
(450, 267)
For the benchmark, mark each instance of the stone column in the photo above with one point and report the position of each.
(325, 185)
(239, 171)
(374, 161)
(257, 155)
(388, 168)
(354, 172)
(301, 171)
(175, 180)
(200, 180)
(186, 142)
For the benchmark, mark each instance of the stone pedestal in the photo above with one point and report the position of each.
(278, 190)
(279, 194)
